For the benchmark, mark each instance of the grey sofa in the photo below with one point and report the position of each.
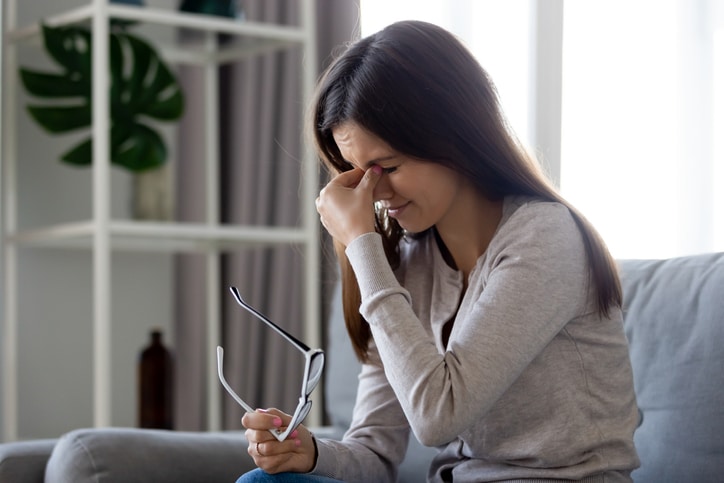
(674, 319)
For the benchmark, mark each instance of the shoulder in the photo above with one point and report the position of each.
(535, 226)
(530, 210)
(534, 217)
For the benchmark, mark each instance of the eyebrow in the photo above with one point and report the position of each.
(375, 161)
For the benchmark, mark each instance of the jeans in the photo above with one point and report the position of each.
(259, 476)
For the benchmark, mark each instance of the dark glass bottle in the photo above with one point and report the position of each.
(155, 385)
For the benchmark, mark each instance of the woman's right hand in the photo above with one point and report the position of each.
(346, 204)
(295, 454)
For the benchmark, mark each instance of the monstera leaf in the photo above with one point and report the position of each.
(142, 87)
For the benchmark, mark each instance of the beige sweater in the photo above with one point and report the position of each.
(532, 383)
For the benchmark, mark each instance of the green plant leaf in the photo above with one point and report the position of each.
(143, 149)
(141, 86)
(59, 119)
(70, 47)
(136, 151)
(41, 84)
(160, 94)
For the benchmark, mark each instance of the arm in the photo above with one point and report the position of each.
(535, 282)
(375, 444)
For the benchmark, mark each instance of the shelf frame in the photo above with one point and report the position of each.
(104, 235)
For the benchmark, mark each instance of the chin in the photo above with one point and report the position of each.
(414, 228)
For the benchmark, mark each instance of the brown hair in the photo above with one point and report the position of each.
(414, 85)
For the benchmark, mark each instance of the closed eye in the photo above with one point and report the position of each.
(389, 170)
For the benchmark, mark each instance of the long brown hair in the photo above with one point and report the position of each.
(415, 86)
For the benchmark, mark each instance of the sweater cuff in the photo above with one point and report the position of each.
(326, 460)
(366, 254)
(374, 275)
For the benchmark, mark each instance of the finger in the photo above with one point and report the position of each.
(370, 178)
(269, 447)
(262, 419)
(349, 179)
(286, 418)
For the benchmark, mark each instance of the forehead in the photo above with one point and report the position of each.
(360, 147)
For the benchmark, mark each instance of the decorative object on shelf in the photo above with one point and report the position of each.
(155, 385)
(115, 21)
(223, 8)
(142, 86)
(153, 195)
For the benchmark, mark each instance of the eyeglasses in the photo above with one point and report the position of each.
(314, 363)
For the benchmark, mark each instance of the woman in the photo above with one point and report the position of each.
(485, 309)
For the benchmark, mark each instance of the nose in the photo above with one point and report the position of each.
(383, 189)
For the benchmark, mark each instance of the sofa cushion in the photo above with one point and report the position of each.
(24, 461)
(341, 369)
(147, 456)
(674, 321)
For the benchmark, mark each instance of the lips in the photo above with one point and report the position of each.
(395, 211)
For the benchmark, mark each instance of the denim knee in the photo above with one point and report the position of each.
(259, 476)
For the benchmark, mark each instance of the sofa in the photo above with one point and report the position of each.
(674, 321)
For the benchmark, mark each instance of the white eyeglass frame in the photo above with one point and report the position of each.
(310, 355)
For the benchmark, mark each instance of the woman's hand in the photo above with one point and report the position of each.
(346, 204)
(295, 454)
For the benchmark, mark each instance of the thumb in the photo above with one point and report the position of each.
(371, 177)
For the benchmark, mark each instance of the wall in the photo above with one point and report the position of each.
(55, 355)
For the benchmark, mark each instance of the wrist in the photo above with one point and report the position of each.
(315, 455)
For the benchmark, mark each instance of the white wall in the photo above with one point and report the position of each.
(55, 285)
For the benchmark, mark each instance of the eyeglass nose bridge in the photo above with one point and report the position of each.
(302, 411)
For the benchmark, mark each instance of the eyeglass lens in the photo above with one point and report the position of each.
(315, 372)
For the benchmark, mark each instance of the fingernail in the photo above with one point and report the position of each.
(294, 434)
(277, 422)
(377, 169)
(262, 410)
(298, 442)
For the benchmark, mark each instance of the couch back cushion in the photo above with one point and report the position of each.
(341, 369)
(674, 321)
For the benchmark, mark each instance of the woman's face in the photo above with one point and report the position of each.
(418, 194)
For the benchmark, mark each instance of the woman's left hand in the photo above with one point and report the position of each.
(346, 204)
(297, 453)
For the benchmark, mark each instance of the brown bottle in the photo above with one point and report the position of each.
(155, 385)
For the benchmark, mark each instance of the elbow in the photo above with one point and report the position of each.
(432, 435)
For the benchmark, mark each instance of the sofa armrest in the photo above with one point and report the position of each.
(24, 461)
(147, 456)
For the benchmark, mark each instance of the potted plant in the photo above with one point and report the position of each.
(142, 87)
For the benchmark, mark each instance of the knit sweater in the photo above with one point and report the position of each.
(532, 384)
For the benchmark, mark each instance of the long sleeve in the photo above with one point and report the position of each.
(532, 382)
(536, 284)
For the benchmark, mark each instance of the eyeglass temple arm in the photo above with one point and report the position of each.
(301, 345)
(220, 367)
(277, 433)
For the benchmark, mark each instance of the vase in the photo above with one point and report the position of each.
(153, 194)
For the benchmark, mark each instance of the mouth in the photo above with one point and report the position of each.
(395, 211)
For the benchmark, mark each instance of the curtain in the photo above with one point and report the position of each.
(642, 119)
(261, 136)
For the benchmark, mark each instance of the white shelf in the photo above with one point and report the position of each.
(148, 15)
(160, 236)
(103, 235)
(249, 38)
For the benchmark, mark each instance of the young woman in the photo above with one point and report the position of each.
(485, 309)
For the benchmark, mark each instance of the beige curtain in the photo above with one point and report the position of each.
(261, 146)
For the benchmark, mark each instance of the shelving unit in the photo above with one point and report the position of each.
(102, 235)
